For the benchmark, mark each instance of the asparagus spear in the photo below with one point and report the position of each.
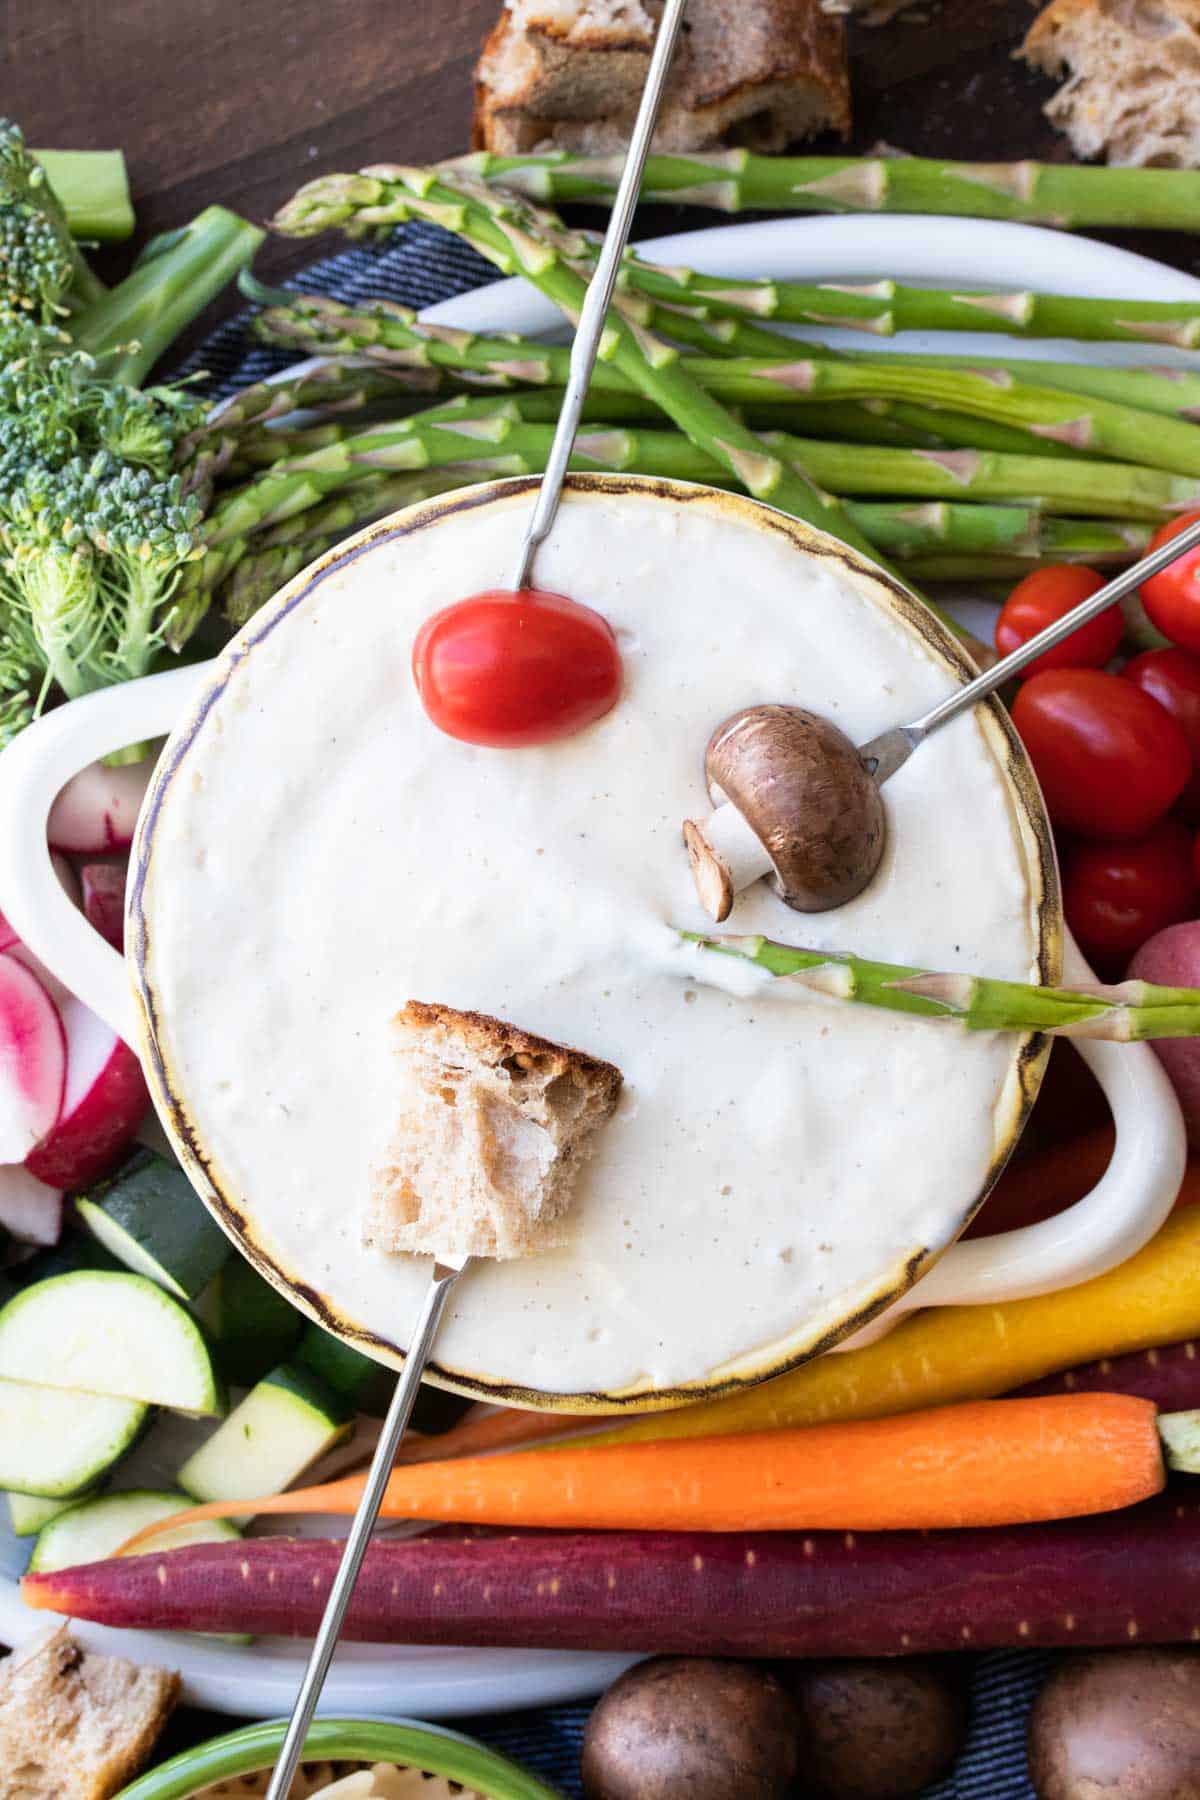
(1125, 1013)
(1065, 194)
(495, 439)
(392, 335)
(991, 397)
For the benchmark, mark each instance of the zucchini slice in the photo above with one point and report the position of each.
(362, 1383)
(54, 1442)
(151, 1219)
(95, 1529)
(285, 1423)
(100, 1332)
(252, 1325)
(29, 1512)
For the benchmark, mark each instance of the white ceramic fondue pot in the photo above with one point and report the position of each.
(784, 1170)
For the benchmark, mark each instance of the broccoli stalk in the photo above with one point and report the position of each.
(92, 188)
(174, 279)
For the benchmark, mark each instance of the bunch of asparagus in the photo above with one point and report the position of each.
(944, 469)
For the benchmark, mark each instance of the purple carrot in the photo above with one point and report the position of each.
(1169, 1376)
(1107, 1579)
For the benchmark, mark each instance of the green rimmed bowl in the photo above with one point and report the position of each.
(238, 1765)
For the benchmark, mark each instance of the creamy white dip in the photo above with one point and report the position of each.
(324, 854)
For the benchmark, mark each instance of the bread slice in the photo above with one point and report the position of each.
(568, 74)
(1133, 88)
(488, 1145)
(74, 1725)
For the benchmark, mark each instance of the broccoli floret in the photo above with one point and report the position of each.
(42, 270)
(94, 526)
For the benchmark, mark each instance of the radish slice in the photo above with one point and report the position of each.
(104, 900)
(68, 880)
(102, 1106)
(8, 936)
(33, 1060)
(29, 1209)
(97, 810)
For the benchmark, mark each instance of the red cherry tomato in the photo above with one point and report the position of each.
(507, 670)
(1172, 597)
(1172, 677)
(1041, 598)
(1117, 895)
(1109, 758)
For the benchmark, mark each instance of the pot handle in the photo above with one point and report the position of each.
(32, 770)
(1124, 1209)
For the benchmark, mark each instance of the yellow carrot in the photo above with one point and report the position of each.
(935, 1358)
(954, 1353)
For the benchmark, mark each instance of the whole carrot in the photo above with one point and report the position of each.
(997, 1462)
(1115, 1578)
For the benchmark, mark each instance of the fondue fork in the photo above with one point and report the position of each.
(446, 1271)
(594, 310)
(892, 749)
(447, 1268)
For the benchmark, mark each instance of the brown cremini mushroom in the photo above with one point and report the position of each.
(794, 800)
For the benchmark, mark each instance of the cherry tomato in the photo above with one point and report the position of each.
(1043, 597)
(1172, 677)
(1110, 759)
(1118, 895)
(507, 670)
(1172, 597)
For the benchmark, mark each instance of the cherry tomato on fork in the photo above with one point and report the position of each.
(508, 669)
(1172, 597)
(1040, 599)
(1110, 759)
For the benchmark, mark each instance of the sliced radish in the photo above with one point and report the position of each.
(102, 1106)
(68, 880)
(33, 1061)
(104, 900)
(29, 1209)
(8, 936)
(97, 810)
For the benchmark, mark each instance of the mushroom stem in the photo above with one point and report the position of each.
(726, 856)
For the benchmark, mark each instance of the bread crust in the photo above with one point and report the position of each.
(766, 71)
(494, 1041)
(76, 1723)
(493, 1126)
(1132, 92)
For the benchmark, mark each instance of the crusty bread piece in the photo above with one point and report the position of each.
(1133, 88)
(488, 1145)
(568, 74)
(74, 1725)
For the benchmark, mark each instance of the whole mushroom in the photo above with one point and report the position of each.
(794, 800)
(692, 1728)
(877, 1729)
(1122, 1724)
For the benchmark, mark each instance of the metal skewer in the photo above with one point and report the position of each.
(594, 311)
(447, 1269)
(892, 749)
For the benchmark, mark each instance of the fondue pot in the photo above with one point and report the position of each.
(784, 1171)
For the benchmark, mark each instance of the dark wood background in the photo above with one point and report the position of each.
(238, 101)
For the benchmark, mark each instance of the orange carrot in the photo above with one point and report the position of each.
(992, 1462)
